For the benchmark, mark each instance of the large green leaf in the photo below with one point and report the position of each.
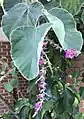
(26, 48)
(57, 26)
(8, 4)
(73, 38)
(21, 14)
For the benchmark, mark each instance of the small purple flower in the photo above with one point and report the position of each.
(40, 62)
(71, 53)
(40, 96)
(45, 43)
(42, 85)
(38, 106)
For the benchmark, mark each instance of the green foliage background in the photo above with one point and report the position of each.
(61, 96)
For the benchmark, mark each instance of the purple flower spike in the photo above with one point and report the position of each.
(71, 53)
(38, 106)
(41, 84)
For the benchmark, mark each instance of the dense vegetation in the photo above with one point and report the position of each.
(45, 38)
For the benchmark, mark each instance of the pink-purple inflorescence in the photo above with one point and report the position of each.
(41, 85)
(71, 53)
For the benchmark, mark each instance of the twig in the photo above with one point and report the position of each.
(48, 61)
(54, 45)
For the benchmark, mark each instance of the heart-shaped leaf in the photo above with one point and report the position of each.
(26, 48)
(21, 14)
(57, 26)
(8, 4)
(73, 38)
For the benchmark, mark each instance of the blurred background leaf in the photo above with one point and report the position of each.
(50, 4)
(71, 5)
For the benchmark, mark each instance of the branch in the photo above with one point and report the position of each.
(48, 61)
(54, 45)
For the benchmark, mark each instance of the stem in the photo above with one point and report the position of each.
(54, 45)
(7, 74)
(9, 107)
(49, 63)
(20, 93)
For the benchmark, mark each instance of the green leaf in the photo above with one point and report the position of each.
(79, 116)
(7, 116)
(8, 4)
(8, 87)
(20, 104)
(71, 5)
(32, 84)
(57, 26)
(81, 89)
(62, 116)
(21, 14)
(68, 97)
(76, 74)
(26, 48)
(14, 83)
(73, 38)
(24, 112)
(46, 106)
